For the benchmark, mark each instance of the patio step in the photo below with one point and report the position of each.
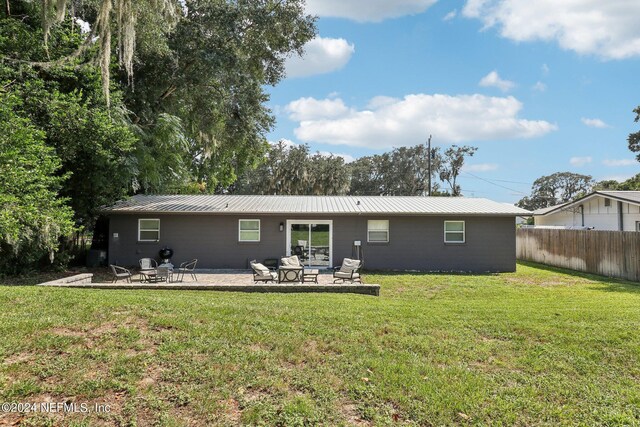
(355, 288)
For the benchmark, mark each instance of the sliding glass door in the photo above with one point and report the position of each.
(310, 241)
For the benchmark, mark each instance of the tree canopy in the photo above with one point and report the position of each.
(145, 96)
(634, 138)
(32, 215)
(557, 188)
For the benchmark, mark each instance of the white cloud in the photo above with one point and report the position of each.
(321, 55)
(449, 16)
(539, 87)
(285, 141)
(594, 123)
(545, 69)
(493, 80)
(580, 161)
(347, 157)
(480, 167)
(608, 29)
(369, 11)
(314, 109)
(619, 178)
(391, 122)
(620, 162)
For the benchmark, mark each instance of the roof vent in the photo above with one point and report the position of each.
(358, 203)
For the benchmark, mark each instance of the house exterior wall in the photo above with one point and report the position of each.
(415, 242)
(596, 215)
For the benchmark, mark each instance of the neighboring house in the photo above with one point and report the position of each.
(600, 210)
(404, 233)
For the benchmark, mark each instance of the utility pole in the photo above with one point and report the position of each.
(429, 157)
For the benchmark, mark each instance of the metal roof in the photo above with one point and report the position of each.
(543, 211)
(625, 196)
(343, 205)
(632, 197)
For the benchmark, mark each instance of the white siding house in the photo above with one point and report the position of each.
(600, 210)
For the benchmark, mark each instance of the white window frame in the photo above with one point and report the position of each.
(140, 239)
(369, 230)
(464, 232)
(310, 222)
(240, 239)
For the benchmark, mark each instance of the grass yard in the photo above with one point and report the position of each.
(537, 347)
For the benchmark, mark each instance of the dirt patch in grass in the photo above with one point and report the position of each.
(18, 358)
(349, 410)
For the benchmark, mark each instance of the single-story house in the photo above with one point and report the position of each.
(403, 233)
(600, 210)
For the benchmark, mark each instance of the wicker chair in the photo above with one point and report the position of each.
(148, 269)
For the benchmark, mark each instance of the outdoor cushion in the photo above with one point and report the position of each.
(348, 265)
(272, 275)
(291, 261)
(260, 269)
(345, 275)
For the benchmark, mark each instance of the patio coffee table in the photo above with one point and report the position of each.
(310, 276)
(290, 274)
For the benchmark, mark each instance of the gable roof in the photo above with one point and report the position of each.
(341, 205)
(632, 197)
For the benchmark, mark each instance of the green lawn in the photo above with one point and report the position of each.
(537, 347)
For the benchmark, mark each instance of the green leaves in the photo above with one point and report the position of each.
(634, 138)
(32, 216)
(560, 187)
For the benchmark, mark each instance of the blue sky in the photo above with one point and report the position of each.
(537, 88)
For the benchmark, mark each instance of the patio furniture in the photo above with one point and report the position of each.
(291, 269)
(163, 274)
(310, 276)
(187, 267)
(148, 268)
(120, 273)
(301, 252)
(289, 274)
(290, 261)
(262, 273)
(348, 271)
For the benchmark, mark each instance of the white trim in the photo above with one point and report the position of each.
(369, 231)
(464, 231)
(310, 221)
(240, 230)
(148, 240)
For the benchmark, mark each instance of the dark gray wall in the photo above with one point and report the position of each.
(415, 242)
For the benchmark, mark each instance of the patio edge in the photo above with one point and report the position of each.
(373, 290)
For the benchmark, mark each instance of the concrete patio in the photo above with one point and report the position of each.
(224, 280)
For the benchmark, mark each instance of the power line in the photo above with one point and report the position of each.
(493, 183)
(513, 182)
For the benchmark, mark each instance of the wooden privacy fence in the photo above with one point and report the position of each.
(608, 253)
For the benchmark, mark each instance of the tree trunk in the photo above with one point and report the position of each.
(7, 8)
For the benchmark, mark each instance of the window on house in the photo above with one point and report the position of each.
(148, 230)
(378, 230)
(454, 232)
(249, 230)
(607, 203)
(637, 225)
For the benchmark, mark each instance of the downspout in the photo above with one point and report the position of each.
(620, 223)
